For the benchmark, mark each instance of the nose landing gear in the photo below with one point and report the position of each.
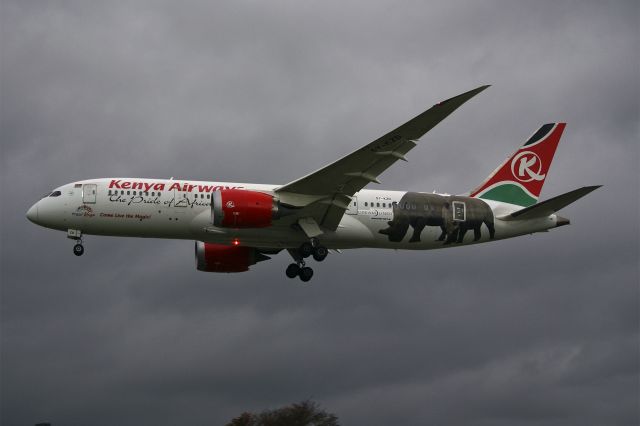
(76, 235)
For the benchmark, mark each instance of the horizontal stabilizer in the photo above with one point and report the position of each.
(551, 205)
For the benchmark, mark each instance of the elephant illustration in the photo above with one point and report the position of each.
(464, 214)
(454, 215)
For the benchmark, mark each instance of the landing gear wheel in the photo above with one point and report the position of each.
(293, 270)
(78, 249)
(320, 253)
(306, 249)
(306, 273)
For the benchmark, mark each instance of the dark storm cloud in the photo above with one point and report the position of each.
(535, 330)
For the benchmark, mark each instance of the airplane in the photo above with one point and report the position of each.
(236, 225)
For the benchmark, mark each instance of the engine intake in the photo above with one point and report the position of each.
(238, 208)
(221, 258)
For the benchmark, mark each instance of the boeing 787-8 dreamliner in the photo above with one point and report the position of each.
(236, 225)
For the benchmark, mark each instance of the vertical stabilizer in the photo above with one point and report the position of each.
(520, 178)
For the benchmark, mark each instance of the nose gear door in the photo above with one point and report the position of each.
(89, 193)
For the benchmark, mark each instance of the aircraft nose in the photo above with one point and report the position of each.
(32, 213)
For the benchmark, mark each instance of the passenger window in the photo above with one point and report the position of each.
(377, 204)
(208, 196)
(365, 204)
(134, 192)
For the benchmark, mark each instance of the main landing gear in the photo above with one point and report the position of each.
(306, 249)
(299, 270)
(76, 235)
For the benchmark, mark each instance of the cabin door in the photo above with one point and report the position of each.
(89, 193)
(353, 206)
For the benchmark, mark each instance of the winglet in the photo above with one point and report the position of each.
(447, 106)
(464, 97)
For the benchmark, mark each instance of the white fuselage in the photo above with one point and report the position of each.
(180, 209)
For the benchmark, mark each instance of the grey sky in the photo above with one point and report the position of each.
(540, 330)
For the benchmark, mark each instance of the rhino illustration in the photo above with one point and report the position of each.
(454, 215)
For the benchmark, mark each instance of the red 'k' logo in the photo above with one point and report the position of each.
(526, 167)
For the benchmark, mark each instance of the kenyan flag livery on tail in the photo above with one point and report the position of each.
(520, 178)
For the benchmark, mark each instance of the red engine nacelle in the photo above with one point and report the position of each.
(220, 258)
(238, 208)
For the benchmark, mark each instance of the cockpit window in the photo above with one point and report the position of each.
(55, 194)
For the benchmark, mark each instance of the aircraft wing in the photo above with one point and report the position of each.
(326, 193)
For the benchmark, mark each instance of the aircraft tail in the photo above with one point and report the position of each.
(520, 178)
